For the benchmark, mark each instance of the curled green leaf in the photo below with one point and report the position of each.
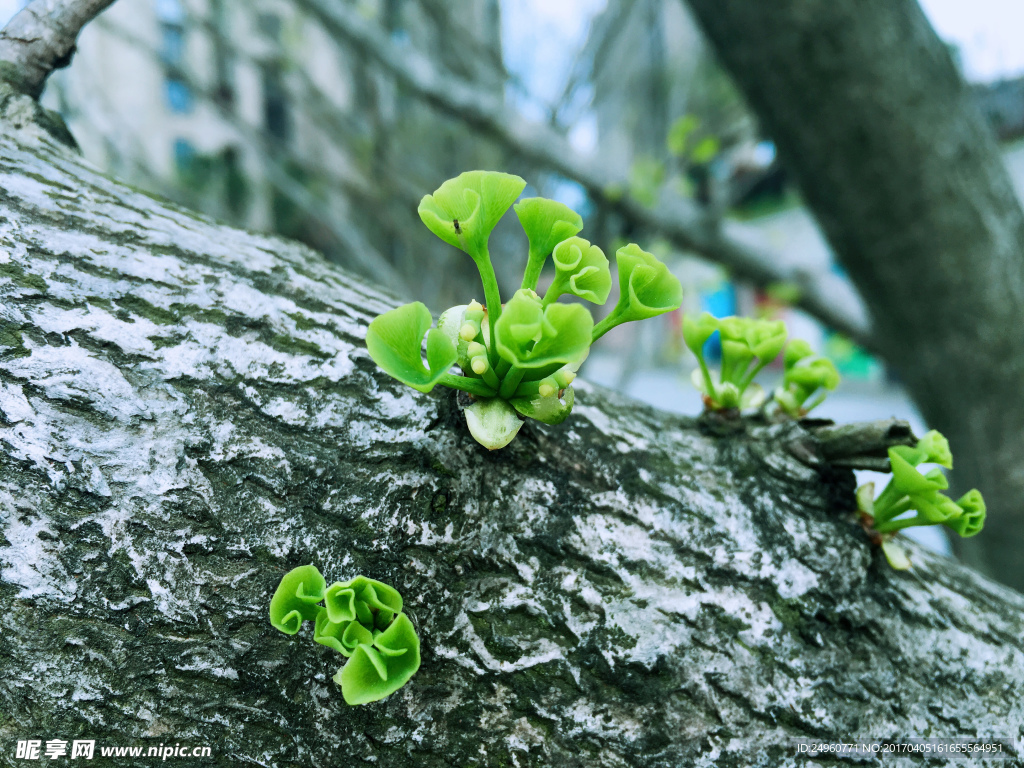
(935, 450)
(546, 223)
(910, 490)
(463, 211)
(647, 286)
(531, 335)
(972, 518)
(934, 508)
(362, 620)
(394, 341)
(766, 338)
(697, 331)
(806, 373)
(796, 351)
(580, 269)
(380, 668)
(342, 636)
(748, 345)
(296, 598)
(362, 598)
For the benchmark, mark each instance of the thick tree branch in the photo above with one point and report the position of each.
(188, 410)
(732, 245)
(41, 38)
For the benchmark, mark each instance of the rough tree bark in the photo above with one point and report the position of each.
(905, 177)
(188, 411)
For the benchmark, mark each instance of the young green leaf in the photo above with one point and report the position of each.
(805, 373)
(463, 211)
(360, 598)
(911, 491)
(296, 598)
(394, 341)
(546, 223)
(647, 287)
(549, 410)
(341, 636)
(935, 450)
(493, 423)
(972, 519)
(766, 338)
(812, 373)
(580, 269)
(379, 669)
(530, 335)
(362, 620)
(697, 331)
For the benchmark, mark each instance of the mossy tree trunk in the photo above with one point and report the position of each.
(187, 411)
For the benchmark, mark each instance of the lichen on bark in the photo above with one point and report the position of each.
(187, 411)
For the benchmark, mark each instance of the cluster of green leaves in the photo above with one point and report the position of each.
(518, 360)
(911, 491)
(748, 345)
(361, 619)
(807, 379)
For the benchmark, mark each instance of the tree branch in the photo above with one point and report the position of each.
(822, 294)
(862, 445)
(187, 411)
(41, 38)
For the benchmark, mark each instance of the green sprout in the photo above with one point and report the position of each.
(748, 345)
(361, 619)
(517, 360)
(806, 374)
(910, 490)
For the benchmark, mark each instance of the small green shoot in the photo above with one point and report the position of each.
(361, 619)
(911, 491)
(748, 345)
(807, 379)
(517, 360)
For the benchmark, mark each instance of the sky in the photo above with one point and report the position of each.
(989, 33)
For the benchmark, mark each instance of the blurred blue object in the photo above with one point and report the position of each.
(720, 302)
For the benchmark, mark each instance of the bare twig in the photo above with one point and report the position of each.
(41, 38)
(732, 245)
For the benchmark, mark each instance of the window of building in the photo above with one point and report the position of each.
(170, 11)
(172, 49)
(184, 155)
(275, 101)
(178, 95)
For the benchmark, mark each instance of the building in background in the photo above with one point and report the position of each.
(253, 112)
